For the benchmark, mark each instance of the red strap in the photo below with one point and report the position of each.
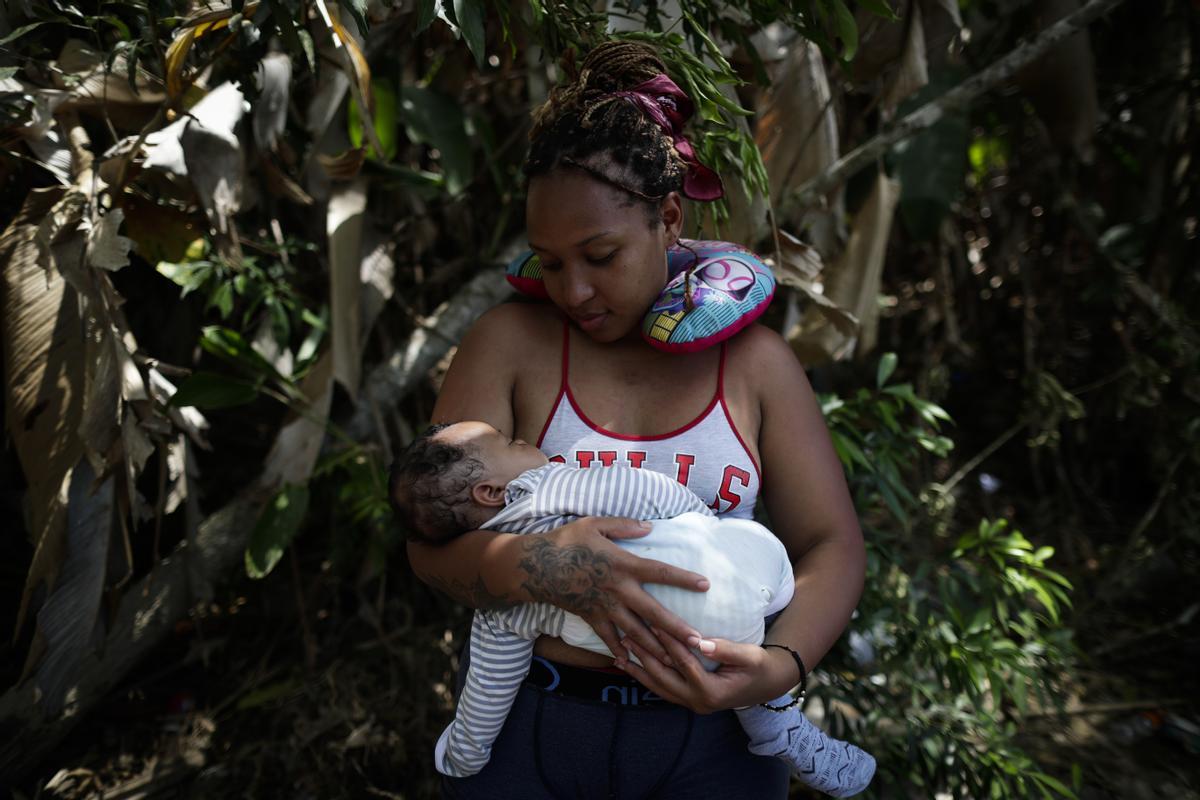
(721, 375)
(566, 355)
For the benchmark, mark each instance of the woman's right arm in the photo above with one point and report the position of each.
(576, 567)
(479, 570)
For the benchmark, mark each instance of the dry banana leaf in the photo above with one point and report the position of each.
(854, 281)
(344, 226)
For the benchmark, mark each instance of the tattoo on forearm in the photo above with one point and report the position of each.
(476, 595)
(569, 577)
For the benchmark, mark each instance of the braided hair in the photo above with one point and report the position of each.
(429, 486)
(584, 125)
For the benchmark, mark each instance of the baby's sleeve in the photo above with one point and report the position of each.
(617, 491)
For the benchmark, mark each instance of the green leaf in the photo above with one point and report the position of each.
(892, 502)
(190, 275)
(987, 154)
(222, 299)
(209, 390)
(879, 7)
(470, 16)
(1020, 694)
(1050, 782)
(851, 453)
(269, 693)
(232, 347)
(7, 72)
(887, 365)
(383, 96)
(930, 412)
(119, 24)
(398, 174)
(847, 29)
(310, 52)
(292, 35)
(276, 527)
(434, 119)
(426, 12)
(24, 29)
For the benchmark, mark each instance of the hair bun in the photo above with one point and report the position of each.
(584, 123)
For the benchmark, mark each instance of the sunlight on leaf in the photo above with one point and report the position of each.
(277, 526)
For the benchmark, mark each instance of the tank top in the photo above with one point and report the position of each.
(707, 455)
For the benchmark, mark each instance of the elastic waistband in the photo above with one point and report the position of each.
(599, 685)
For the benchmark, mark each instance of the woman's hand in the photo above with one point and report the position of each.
(748, 674)
(579, 569)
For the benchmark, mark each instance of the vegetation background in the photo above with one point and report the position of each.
(241, 241)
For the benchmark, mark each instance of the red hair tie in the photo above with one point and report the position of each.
(665, 103)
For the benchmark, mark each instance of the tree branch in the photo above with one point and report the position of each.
(147, 613)
(389, 382)
(956, 99)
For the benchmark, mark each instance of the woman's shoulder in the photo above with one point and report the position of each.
(517, 325)
(757, 348)
(761, 364)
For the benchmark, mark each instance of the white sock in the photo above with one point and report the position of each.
(829, 765)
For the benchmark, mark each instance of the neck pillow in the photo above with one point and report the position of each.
(730, 287)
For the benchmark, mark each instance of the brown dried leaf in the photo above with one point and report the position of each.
(797, 131)
(344, 226)
(270, 110)
(294, 452)
(947, 7)
(106, 248)
(69, 621)
(100, 423)
(377, 277)
(800, 260)
(187, 419)
(913, 71)
(801, 270)
(194, 28)
(93, 84)
(344, 166)
(880, 44)
(1062, 84)
(853, 281)
(204, 148)
(43, 371)
(281, 185)
(160, 232)
(355, 64)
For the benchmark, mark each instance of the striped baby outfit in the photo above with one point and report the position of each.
(747, 567)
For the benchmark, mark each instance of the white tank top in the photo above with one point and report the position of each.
(707, 455)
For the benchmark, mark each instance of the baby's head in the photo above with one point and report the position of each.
(451, 479)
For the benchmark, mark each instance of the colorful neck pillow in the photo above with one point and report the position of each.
(731, 287)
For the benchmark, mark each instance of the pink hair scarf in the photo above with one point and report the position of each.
(664, 102)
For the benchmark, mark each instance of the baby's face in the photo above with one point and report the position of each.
(503, 458)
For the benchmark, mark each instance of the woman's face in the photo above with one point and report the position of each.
(602, 261)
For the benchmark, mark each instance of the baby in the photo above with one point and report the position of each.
(468, 476)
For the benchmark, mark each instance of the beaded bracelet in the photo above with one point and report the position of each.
(803, 679)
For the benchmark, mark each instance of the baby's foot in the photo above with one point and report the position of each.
(829, 765)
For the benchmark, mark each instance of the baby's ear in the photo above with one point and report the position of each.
(488, 493)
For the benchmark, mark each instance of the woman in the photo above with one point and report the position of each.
(605, 176)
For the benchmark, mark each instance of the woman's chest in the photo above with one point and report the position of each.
(618, 388)
(672, 416)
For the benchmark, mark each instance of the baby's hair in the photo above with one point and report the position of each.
(584, 125)
(429, 486)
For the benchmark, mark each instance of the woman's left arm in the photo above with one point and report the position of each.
(810, 508)
(811, 513)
